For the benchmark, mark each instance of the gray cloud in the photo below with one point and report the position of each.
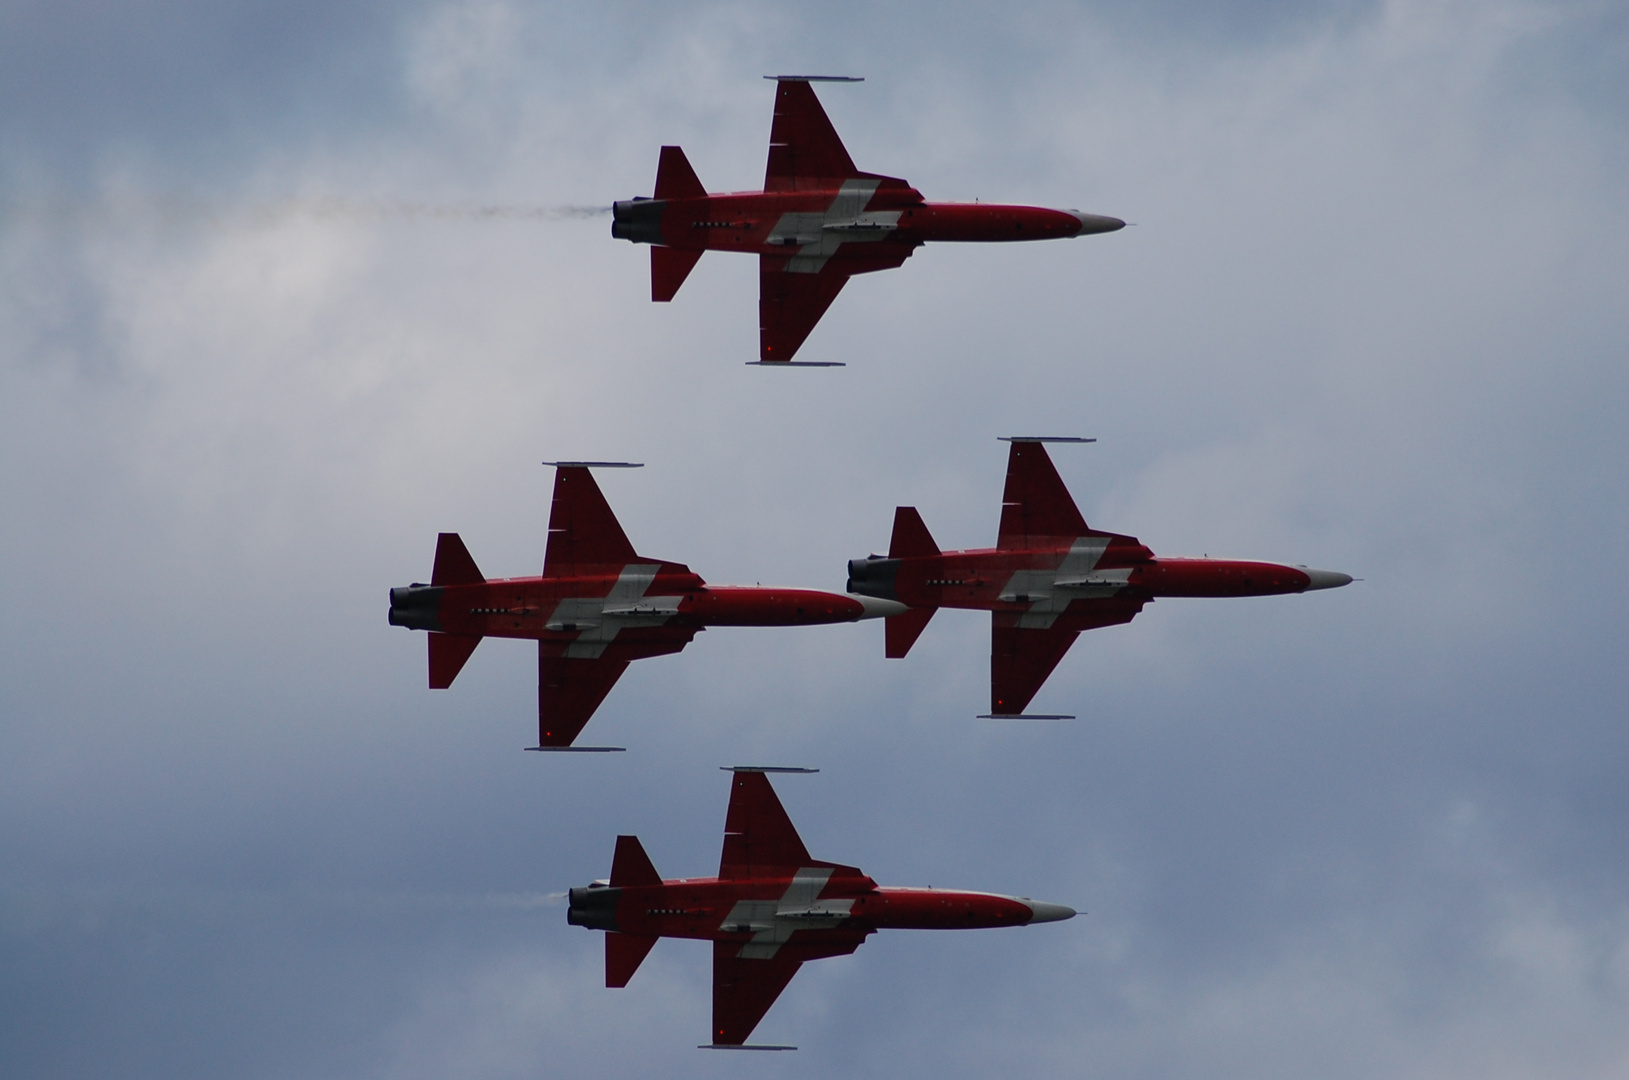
(1368, 319)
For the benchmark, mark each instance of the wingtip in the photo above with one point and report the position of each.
(815, 78)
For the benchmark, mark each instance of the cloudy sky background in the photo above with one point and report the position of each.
(1371, 317)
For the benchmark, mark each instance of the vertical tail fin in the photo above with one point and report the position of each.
(675, 179)
(453, 564)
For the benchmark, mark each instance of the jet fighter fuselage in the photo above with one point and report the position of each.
(713, 909)
(1080, 568)
(1049, 577)
(817, 222)
(852, 212)
(562, 609)
(597, 606)
(770, 909)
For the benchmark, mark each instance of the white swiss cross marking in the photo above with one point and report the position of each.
(1050, 592)
(773, 922)
(818, 234)
(598, 619)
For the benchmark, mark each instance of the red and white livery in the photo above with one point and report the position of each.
(1049, 577)
(597, 607)
(818, 221)
(770, 909)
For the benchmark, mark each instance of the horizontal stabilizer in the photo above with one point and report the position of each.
(631, 866)
(669, 267)
(675, 179)
(453, 564)
(911, 537)
(448, 653)
(623, 955)
(901, 631)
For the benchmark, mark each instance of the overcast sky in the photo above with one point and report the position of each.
(1370, 317)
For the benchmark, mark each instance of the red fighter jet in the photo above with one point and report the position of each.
(597, 606)
(818, 221)
(770, 908)
(1049, 577)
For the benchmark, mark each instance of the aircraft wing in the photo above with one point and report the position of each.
(570, 688)
(1036, 507)
(568, 692)
(1021, 657)
(1020, 661)
(583, 530)
(759, 839)
(789, 304)
(794, 291)
(804, 149)
(745, 988)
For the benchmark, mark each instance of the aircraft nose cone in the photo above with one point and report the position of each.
(1096, 223)
(1049, 912)
(1326, 579)
(878, 608)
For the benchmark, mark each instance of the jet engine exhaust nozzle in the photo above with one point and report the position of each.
(638, 220)
(594, 907)
(417, 607)
(873, 577)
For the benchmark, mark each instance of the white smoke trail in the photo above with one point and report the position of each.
(185, 209)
